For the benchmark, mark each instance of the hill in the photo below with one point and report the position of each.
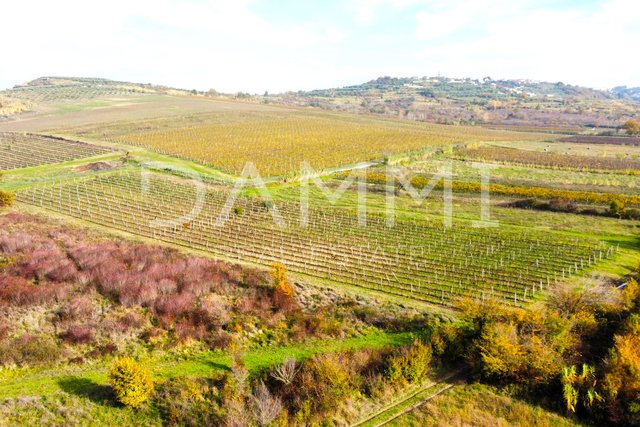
(485, 101)
(43, 91)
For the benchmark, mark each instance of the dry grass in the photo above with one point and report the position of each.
(481, 406)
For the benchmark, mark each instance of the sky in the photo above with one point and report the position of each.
(267, 45)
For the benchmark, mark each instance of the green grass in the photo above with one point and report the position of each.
(82, 379)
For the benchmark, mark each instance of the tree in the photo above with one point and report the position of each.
(131, 383)
(616, 208)
(283, 293)
(632, 127)
(265, 406)
(286, 372)
(622, 375)
(7, 198)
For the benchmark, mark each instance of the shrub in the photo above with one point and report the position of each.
(622, 375)
(324, 380)
(412, 364)
(131, 383)
(78, 334)
(616, 208)
(29, 350)
(264, 406)
(188, 402)
(7, 198)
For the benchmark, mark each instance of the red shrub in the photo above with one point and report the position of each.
(185, 329)
(131, 321)
(171, 307)
(143, 294)
(21, 292)
(78, 334)
(80, 307)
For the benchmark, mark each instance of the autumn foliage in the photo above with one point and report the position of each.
(283, 291)
(7, 198)
(131, 383)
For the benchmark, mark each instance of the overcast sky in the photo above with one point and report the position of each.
(258, 45)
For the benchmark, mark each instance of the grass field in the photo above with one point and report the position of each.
(85, 387)
(89, 378)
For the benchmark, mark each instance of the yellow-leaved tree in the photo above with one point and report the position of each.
(283, 291)
(632, 127)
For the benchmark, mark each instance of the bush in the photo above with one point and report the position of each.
(131, 383)
(29, 350)
(616, 208)
(188, 402)
(78, 334)
(7, 198)
(412, 364)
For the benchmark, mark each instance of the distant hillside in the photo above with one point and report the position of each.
(623, 92)
(51, 90)
(90, 82)
(467, 89)
(485, 101)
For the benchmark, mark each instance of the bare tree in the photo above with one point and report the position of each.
(286, 372)
(265, 406)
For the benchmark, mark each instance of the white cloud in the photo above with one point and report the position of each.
(366, 11)
(589, 47)
(228, 46)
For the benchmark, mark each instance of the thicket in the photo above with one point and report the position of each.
(579, 352)
(322, 390)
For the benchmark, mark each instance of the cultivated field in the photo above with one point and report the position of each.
(19, 150)
(523, 175)
(278, 141)
(418, 260)
(552, 157)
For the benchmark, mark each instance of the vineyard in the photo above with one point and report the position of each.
(626, 164)
(420, 181)
(512, 174)
(278, 142)
(586, 139)
(19, 150)
(414, 259)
